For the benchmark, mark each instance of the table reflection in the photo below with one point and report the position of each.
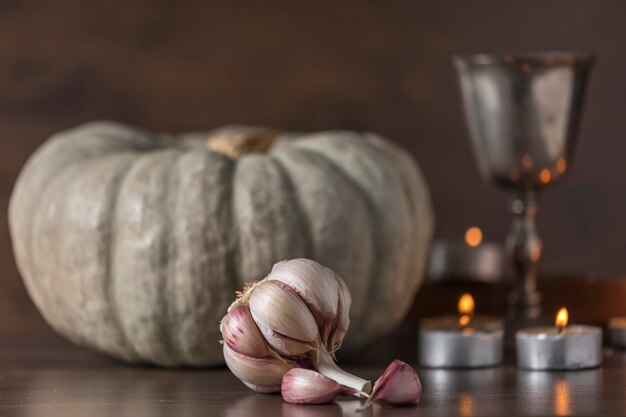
(454, 381)
(466, 405)
(460, 390)
(552, 392)
(562, 398)
(326, 410)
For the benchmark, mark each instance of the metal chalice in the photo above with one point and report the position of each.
(523, 113)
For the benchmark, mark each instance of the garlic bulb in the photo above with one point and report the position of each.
(296, 317)
(303, 386)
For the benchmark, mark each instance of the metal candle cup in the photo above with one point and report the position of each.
(617, 332)
(461, 341)
(454, 260)
(442, 344)
(471, 259)
(560, 347)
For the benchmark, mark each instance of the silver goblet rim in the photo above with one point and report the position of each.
(540, 59)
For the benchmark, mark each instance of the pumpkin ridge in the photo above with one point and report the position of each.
(35, 280)
(110, 299)
(80, 160)
(393, 159)
(374, 227)
(168, 251)
(171, 252)
(410, 275)
(200, 279)
(149, 343)
(309, 241)
(401, 164)
(110, 292)
(231, 263)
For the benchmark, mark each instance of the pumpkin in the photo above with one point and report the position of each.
(134, 243)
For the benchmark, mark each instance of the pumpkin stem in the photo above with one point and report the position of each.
(235, 142)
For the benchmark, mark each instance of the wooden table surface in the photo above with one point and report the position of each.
(43, 375)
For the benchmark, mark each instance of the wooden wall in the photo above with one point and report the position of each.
(365, 65)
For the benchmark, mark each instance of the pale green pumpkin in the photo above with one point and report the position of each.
(134, 244)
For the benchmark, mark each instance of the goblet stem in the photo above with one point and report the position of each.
(524, 250)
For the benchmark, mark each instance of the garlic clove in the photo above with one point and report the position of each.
(398, 385)
(324, 292)
(342, 322)
(241, 334)
(276, 306)
(303, 386)
(257, 372)
(282, 344)
(321, 293)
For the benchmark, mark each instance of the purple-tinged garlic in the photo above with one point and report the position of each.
(259, 374)
(297, 316)
(241, 334)
(303, 386)
(398, 385)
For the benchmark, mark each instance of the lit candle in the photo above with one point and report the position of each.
(469, 259)
(617, 332)
(461, 341)
(561, 347)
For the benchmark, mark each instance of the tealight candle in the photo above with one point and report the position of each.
(462, 341)
(471, 259)
(617, 332)
(561, 347)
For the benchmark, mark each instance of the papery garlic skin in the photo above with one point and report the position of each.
(303, 386)
(330, 307)
(260, 374)
(298, 314)
(283, 318)
(241, 334)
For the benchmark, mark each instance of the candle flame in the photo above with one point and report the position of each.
(561, 318)
(473, 236)
(466, 309)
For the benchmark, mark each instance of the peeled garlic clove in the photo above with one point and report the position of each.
(303, 386)
(398, 385)
(241, 334)
(265, 373)
(276, 306)
(326, 296)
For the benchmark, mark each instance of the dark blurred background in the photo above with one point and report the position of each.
(362, 65)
